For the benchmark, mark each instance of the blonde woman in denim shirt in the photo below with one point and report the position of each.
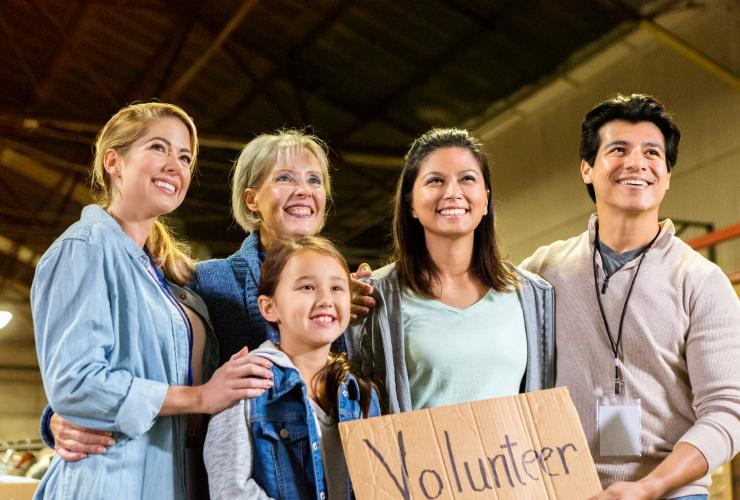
(117, 351)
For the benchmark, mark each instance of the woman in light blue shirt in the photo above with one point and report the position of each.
(117, 351)
(452, 322)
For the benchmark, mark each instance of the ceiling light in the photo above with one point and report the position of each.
(5, 318)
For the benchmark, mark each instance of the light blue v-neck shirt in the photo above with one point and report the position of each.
(459, 355)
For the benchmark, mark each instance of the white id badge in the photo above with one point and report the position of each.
(618, 422)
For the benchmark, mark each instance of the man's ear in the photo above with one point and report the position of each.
(586, 172)
(268, 309)
(250, 199)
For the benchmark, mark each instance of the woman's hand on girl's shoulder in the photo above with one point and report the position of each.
(362, 293)
(243, 376)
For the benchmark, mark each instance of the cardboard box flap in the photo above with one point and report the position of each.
(526, 446)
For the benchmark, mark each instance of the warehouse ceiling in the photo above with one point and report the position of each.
(365, 76)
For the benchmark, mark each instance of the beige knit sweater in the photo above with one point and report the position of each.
(681, 345)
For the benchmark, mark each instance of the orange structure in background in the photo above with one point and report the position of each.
(726, 479)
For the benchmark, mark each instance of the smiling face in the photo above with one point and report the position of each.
(152, 175)
(311, 301)
(291, 200)
(449, 197)
(630, 175)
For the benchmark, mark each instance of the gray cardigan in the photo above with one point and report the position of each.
(376, 344)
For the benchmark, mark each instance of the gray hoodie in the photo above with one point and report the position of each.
(228, 447)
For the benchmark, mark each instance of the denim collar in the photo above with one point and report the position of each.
(287, 377)
(94, 214)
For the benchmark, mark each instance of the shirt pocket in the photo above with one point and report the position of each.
(283, 458)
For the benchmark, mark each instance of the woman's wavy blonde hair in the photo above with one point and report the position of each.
(124, 128)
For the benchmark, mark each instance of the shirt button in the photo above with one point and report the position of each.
(315, 446)
(322, 495)
(284, 433)
(345, 393)
(183, 296)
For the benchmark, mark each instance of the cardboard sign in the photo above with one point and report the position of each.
(528, 446)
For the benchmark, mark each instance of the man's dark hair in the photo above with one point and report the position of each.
(634, 108)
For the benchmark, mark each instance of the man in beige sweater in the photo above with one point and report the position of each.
(640, 315)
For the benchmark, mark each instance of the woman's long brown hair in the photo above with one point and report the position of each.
(414, 266)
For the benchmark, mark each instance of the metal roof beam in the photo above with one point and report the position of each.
(428, 70)
(15, 155)
(66, 184)
(54, 59)
(63, 31)
(691, 53)
(179, 85)
(384, 160)
(18, 54)
(278, 69)
(174, 44)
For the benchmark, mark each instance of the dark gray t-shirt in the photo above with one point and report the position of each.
(613, 261)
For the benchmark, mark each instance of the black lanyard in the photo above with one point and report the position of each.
(616, 346)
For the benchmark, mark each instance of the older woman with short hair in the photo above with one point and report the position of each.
(279, 189)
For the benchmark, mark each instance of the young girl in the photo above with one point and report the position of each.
(285, 443)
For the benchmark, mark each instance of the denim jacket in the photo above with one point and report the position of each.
(269, 447)
(109, 345)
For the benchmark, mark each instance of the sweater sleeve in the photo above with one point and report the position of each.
(228, 456)
(534, 262)
(712, 354)
(359, 347)
(75, 332)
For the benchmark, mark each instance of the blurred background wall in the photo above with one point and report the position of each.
(534, 143)
(367, 77)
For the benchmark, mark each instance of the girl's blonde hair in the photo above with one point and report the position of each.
(125, 127)
(257, 160)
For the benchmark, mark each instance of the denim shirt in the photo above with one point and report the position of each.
(109, 346)
(275, 436)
